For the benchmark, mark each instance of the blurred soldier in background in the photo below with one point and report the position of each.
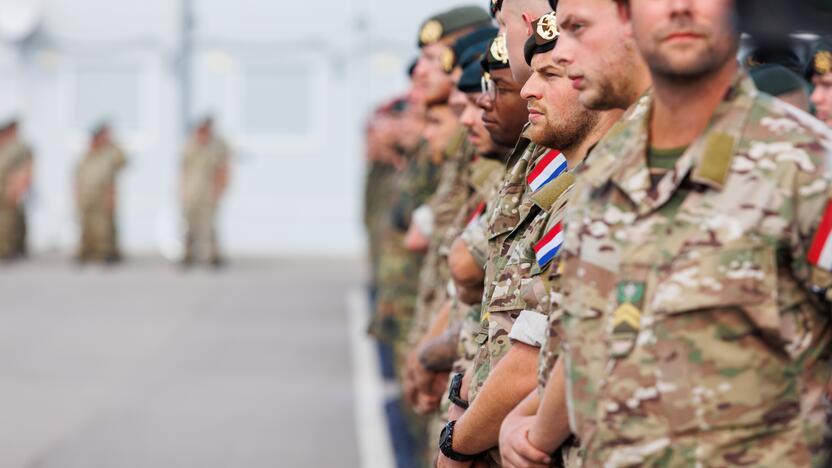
(205, 173)
(96, 197)
(384, 159)
(15, 181)
(697, 263)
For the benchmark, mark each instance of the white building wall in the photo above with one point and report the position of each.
(290, 83)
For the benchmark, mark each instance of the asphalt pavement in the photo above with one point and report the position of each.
(143, 365)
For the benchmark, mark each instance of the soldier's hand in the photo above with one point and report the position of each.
(415, 241)
(444, 462)
(455, 412)
(515, 448)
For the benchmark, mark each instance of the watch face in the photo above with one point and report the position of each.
(445, 436)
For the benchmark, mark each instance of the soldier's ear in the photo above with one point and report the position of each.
(528, 20)
(623, 7)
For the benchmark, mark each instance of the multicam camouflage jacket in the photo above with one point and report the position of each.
(398, 269)
(696, 333)
(450, 197)
(524, 226)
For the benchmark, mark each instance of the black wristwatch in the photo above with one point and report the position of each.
(446, 442)
(453, 396)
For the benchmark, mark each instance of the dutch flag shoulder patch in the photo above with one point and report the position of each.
(548, 169)
(820, 253)
(549, 246)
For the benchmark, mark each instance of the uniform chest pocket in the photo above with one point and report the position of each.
(742, 277)
(713, 335)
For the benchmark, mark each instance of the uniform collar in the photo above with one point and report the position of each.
(621, 158)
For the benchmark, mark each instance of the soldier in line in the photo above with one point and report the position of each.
(96, 196)
(696, 277)
(205, 174)
(612, 76)
(15, 181)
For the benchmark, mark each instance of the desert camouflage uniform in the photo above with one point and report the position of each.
(14, 156)
(96, 184)
(695, 331)
(201, 164)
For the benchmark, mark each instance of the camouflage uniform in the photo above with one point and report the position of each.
(399, 268)
(695, 330)
(14, 156)
(451, 193)
(96, 185)
(378, 192)
(201, 164)
(517, 295)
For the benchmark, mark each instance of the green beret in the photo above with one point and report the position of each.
(776, 79)
(452, 56)
(496, 57)
(544, 37)
(820, 63)
(471, 79)
(440, 26)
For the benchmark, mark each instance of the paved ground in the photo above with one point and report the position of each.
(143, 366)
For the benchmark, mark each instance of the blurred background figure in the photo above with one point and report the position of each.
(96, 197)
(782, 83)
(15, 182)
(205, 174)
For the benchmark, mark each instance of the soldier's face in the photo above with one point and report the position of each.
(505, 112)
(822, 97)
(557, 118)
(409, 127)
(685, 39)
(457, 101)
(440, 127)
(431, 84)
(471, 119)
(598, 52)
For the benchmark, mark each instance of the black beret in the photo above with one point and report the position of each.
(544, 37)
(451, 57)
(471, 79)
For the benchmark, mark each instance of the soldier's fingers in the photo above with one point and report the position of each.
(533, 455)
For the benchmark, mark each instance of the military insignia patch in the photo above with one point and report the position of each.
(431, 32)
(820, 253)
(549, 246)
(448, 59)
(499, 50)
(823, 62)
(626, 319)
(547, 27)
(476, 214)
(548, 169)
(630, 292)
